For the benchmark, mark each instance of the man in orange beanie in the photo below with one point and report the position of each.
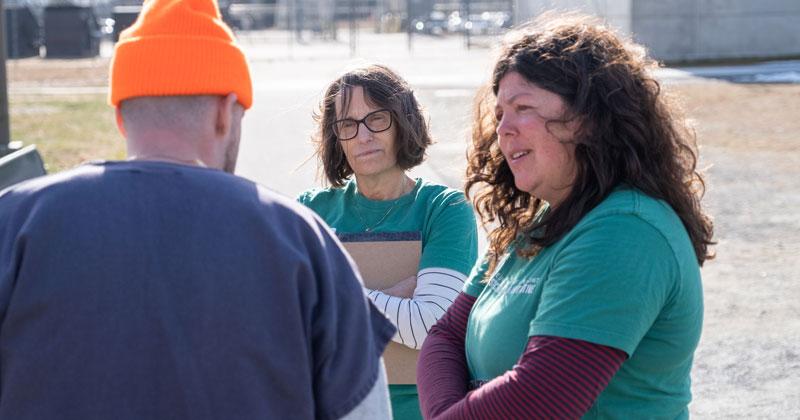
(166, 287)
(177, 67)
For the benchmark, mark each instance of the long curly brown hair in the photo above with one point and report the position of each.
(628, 133)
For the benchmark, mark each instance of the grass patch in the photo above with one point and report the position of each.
(67, 130)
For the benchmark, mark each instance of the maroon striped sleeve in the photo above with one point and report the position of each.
(442, 374)
(555, 377)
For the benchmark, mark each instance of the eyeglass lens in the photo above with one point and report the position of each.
(375, 122)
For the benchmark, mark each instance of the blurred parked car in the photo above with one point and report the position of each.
(248, 15)
(434, 24)
(488, 23)
(391, 22)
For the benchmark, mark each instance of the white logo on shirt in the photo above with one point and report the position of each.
(521, 287)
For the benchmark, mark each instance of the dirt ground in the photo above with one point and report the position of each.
(748, 362)
(34, 72)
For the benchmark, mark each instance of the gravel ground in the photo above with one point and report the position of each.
(748, 363)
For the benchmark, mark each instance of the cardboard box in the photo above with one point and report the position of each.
(382, 264)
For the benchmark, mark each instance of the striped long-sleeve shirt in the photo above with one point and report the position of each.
(554, 378)
(436, 290)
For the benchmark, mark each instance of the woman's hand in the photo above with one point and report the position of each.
(404, 288)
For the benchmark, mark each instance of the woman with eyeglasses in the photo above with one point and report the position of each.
(371, 131)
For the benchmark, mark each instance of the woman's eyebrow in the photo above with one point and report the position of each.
(516, 96)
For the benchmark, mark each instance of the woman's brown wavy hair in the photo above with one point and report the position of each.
(385, 89)
(629, 133)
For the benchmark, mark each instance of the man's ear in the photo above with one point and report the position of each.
(225, 115)
(120, 122)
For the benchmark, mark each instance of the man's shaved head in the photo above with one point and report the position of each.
(173, 113)
(204, 128)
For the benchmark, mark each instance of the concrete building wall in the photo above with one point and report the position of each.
(716, 29)
(685, 30)
(616, 12)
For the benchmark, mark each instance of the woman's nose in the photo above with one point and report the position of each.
(505, 126)
(363, 133)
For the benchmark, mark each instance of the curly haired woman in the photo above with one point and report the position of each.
(589, 300)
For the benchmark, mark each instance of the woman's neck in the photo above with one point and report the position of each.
(388, 186)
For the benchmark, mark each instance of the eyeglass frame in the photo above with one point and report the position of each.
(362, 121)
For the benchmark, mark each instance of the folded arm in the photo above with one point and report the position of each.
(436, 290)
(555, 377)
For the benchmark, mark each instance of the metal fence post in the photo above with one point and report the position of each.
(5, 131)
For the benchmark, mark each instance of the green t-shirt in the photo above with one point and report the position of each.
(442, 216)
(625, 276)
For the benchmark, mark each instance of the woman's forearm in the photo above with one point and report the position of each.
(442, 374)
(555, 378)
(436, 290)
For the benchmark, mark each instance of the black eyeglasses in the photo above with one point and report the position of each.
(375, 121)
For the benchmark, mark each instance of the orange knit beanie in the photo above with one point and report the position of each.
(179, 47)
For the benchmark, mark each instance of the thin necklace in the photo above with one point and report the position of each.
(367, 227)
